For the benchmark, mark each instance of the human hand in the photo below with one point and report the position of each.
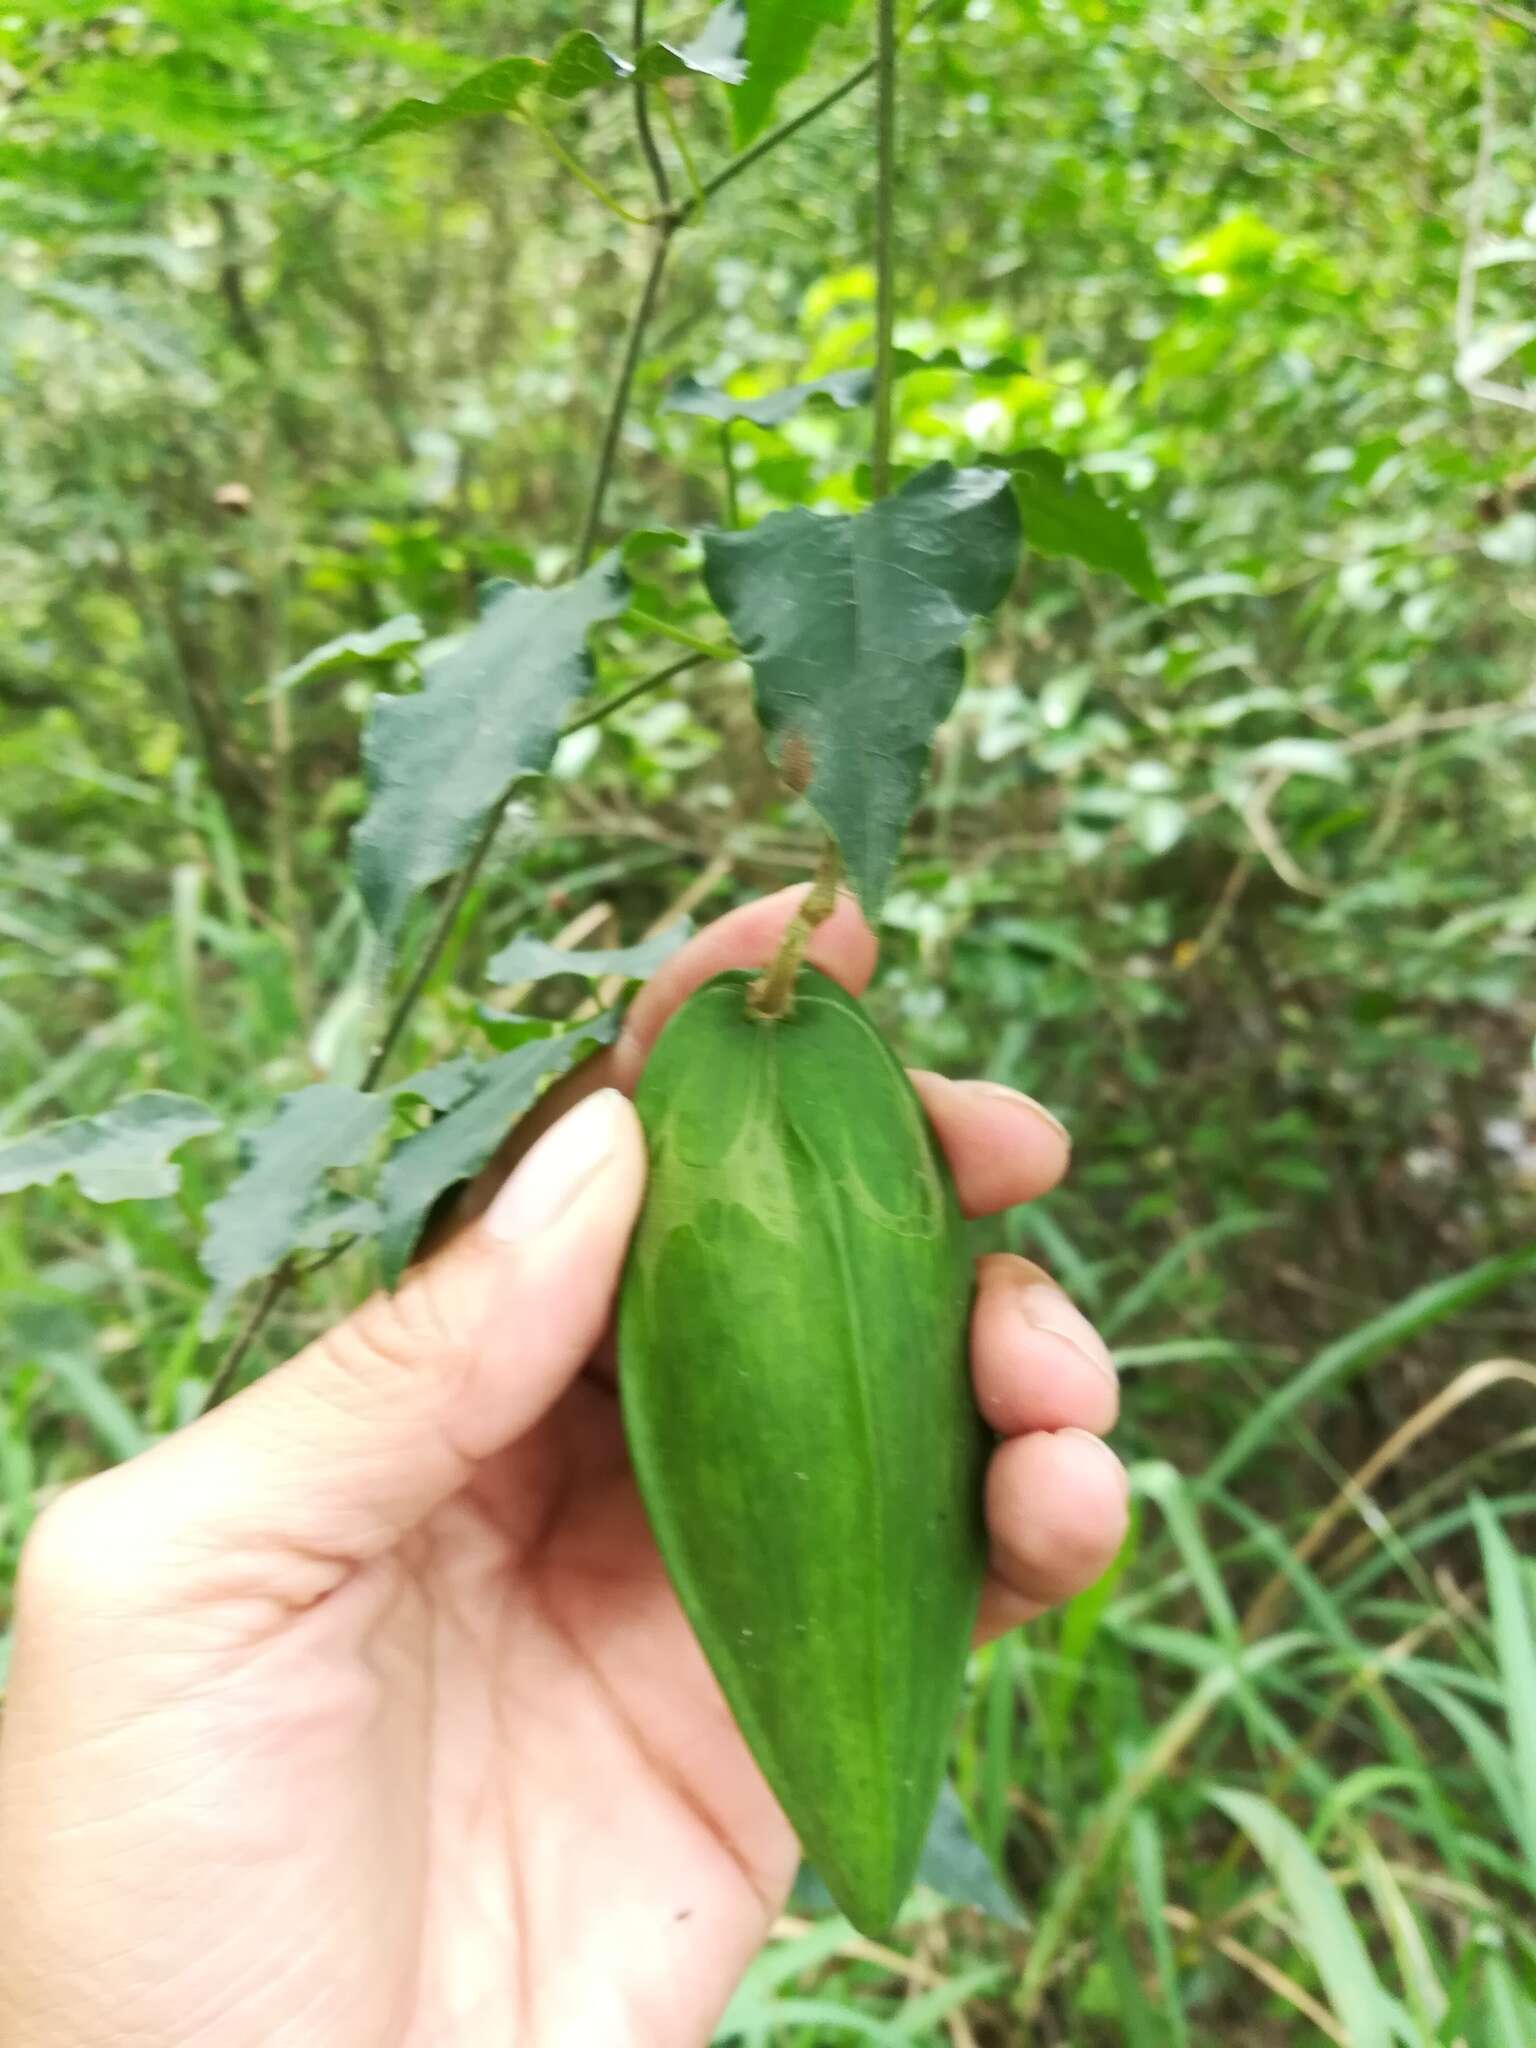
(360, 1714)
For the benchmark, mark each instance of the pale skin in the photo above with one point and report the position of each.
(360, 1713)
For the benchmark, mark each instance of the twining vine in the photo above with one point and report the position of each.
(663, 227)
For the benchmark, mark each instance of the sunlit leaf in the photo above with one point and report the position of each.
(528, 959)
(458, 1144)
(1064, 515)
(282, 1200)
(122, 1155)
(715, 52)
(854, 629)
(490, 711)
(780, 37)
(844, 389)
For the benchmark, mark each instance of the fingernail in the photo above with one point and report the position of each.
(1045, 1307)
(1102, 1450)
(544, 1185)
(1017, 1096)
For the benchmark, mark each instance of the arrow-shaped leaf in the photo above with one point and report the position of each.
(282, 1200)
(440, 762)
(854, 629)
(122, 1155)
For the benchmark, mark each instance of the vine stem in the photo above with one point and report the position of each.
(885, 242)
(772, 994)
(648, 147)
(591, 523)
(778, 979)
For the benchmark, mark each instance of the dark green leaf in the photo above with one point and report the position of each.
(282, 1200)
(122, 1155)
(853, 627)
(780, 36)
(1064, 515)
(440, 762)
(439, 1087)
(527, 959)
(497, 89)
(457, 1145)
(376, 643)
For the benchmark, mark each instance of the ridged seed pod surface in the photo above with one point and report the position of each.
(792, 1336)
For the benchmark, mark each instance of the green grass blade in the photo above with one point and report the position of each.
(1360, 1348)
(1327, 1934)
(1515, 1640)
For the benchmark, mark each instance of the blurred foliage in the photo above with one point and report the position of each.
(1239, 882)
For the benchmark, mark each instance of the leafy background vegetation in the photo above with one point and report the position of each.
(1236, 876)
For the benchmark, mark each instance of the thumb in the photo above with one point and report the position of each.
(334, 1456)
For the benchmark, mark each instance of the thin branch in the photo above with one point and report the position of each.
(712, 650)
(746, 158)
(582, 175)
(728, 471)
(622, 697)
(766, 144)
(223, 1380)
(885, 242)
(648, 147)
(619, 406)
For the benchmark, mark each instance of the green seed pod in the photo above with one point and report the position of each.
(792, 1344)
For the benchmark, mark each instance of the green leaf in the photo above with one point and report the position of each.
(853, 627)
(580, 63)
(281, 1201)
(845, 389)
(780, 36)
(497, 89)
(122, 1155)
(528, 959)
(458, 1144)
(715, 52)
(441, 762)
(1064, 515)
(374, 643)
(1325, 1930)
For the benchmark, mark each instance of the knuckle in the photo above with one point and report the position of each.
(70, 1546)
